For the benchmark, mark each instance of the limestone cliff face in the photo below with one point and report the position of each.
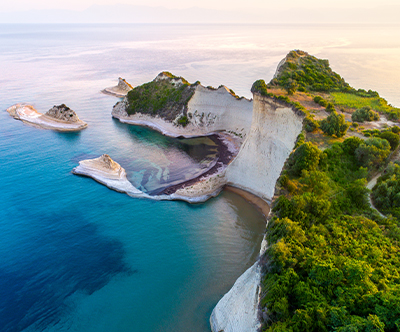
(62, 113)
(208, 111)
(218, 110)
(271, 139)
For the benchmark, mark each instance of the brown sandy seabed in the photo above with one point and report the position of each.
(224, 158)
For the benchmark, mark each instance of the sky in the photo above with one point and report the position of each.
(17, 5)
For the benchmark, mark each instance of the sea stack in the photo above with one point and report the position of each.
(59, 118)
(120, 90)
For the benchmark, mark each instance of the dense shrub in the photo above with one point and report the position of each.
(334, 124)
(330, 108)
(310, 124)
(372, 152)
(350, 144)
(365, 114)
(392, 138)
(305, 157)
(386, 193)
(183, 121)
(308, 73)
(396, 129)
(321, 101)
(260, 87)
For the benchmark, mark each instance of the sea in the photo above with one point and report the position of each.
(76, 256)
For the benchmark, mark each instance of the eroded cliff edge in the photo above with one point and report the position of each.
(258, 165)
(272, 136)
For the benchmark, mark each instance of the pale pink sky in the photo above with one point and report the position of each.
(7, 5)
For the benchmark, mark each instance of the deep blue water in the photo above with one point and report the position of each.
(76, 256)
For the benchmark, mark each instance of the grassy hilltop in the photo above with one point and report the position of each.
(333, 262)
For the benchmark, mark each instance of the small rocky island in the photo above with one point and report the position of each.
(59, 118)
(120, 90)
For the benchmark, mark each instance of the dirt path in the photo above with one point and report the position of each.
(370, 185)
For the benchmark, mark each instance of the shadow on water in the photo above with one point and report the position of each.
(61, 255)
(70, 136)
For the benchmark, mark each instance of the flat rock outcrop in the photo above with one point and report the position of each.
(59, 118)
(120, 90)
(108, 172)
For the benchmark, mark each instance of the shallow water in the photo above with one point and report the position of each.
(77, 256)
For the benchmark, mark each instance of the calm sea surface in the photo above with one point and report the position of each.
(76, 256)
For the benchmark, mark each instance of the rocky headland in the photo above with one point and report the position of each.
(59, 118)
(280, 119)
(120, 90)
(176, 108)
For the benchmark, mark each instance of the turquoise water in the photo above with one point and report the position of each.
(76, 256)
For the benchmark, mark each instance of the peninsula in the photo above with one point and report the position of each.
(307, 144)
(59, 118)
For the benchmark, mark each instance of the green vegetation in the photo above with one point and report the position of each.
(334, 125)
(310, 124)
(306, 157)
(358, 101)
(365, 114)
(332, 264)
(183, 120)
(386, 193)
(392, 138)
(161, 97)
(321, 101)
(304, 71)
(372, 152)
(260, 87)
(330, 108)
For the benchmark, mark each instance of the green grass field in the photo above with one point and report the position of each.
(349, 100)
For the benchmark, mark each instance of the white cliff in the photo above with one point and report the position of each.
(271, 139)
(237, 311)
(208, 110)
(256, 168)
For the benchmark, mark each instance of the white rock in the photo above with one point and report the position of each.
(237, 311)
(271, 139)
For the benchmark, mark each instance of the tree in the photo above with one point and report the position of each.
(372, 151)
(306, 157)
(351, 144)
(291, 86)
(365, 114)
(334, 125)
(392, 138)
